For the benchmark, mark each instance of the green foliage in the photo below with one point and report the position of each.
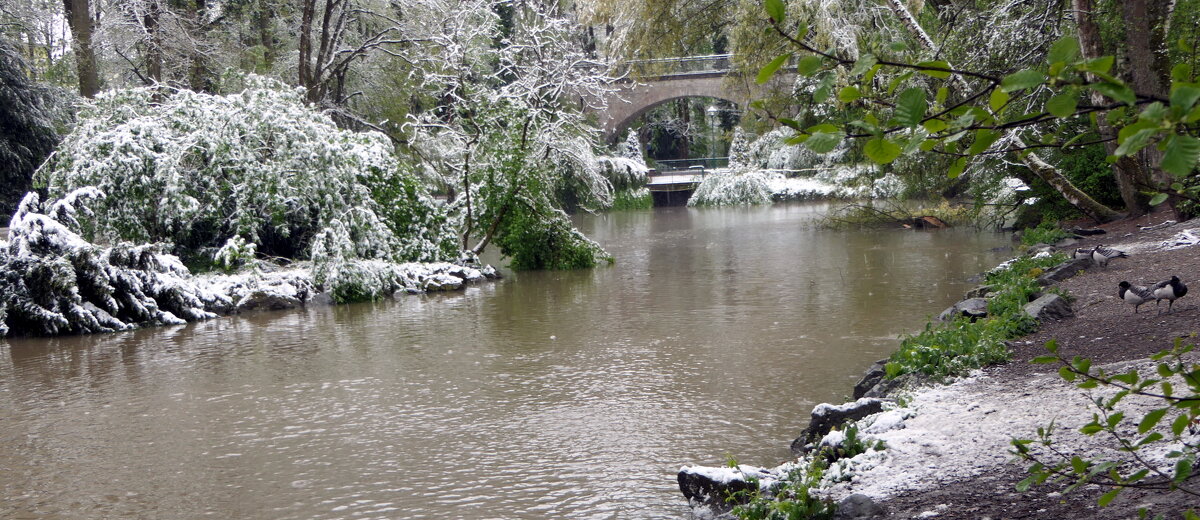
(950, 349)
(546, 240)
(792, 499)
(632, 199)
(1174, 387)
(1045, 233)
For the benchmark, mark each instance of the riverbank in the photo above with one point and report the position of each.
(949, 452)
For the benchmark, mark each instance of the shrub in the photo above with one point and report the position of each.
(196, 170)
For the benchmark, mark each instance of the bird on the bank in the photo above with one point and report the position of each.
(1169, 290)
(1134, 295)
(1102, 254)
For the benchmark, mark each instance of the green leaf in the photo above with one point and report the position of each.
(1179, 424)
(957, 168)
(765, 74)
(849, 94)
(934, 126)
(1116, 91)
(881, 151)
(1106, 498)
(897, 81)
(1184, 96)
(1099, 65)
(790, 123)
(1181, 72)
(1158, 198)
(1063, 104)
(1091, 429)
(1044, 360)
(910, 107)
(942, 94)
(1022, 79)
(1052, 346)
(824, 142)
(897, 46)
(808, 65)
(929, 144)
(998, 100)
(800, 34)
(776, 9)
(1182, 153)
(1066, 373)
(1183, 470)
(1131, 144)
(864, 63)
(983, 139)
(1115, 419)
(1151, 419)
(937, 64)
(1023, 485)
(1153, 437)
(1066, 49)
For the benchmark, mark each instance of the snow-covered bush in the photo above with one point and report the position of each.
(52, 281)
(732, 188)
(196, 170)
(27, 120)
(739, 150)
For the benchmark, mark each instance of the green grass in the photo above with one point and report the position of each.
(951, 349)
(1043, 234)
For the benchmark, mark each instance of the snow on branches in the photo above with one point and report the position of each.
(196, 170)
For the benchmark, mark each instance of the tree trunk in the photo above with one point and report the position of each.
(1127, 170)
(79, 18)
(154, 55)
(1082, 201)
(1145, 26)
(304, 71)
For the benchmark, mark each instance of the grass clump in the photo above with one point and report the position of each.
(948, 349)
(1043, 234)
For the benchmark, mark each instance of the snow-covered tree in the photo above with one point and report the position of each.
(196, 170)
(27, 133)
(509, 131)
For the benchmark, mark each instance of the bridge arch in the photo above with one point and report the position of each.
(633, 102)
(695, 76)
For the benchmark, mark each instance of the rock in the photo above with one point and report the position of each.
(825, 417)
(267, 300)
(858, 507)
(323, 299)
(491, 273)
(1087, 232)
(980, 291)
(973, 308)
(708, 489)
(871, 378)
(1049, 307)
(1065, 270)
(442, 282)
(1039, 248)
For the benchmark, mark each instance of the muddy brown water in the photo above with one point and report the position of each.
(545, 395)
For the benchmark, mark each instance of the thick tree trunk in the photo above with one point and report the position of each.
(79, 18)
(1127, 170)
(305, 71)
(1145, 26)
(1082, 201)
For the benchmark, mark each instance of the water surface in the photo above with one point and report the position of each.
(545, 395)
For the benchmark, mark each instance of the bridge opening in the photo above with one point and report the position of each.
(684, 139)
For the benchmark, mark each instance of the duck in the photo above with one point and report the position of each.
(1101, 254)
(1169, 290)
(1134, 295)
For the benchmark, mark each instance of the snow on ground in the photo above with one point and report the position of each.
(964, 429)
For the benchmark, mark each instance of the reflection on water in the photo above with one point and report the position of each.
(545, 395)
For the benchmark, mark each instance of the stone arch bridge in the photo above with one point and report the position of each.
(674, 78)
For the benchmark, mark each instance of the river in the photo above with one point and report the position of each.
(544, 395)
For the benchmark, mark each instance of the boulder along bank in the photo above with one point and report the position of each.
(948, 450)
